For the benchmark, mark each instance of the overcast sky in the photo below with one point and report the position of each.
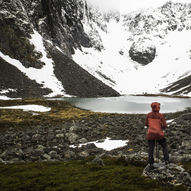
(131, 5)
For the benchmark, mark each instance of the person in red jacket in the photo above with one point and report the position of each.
(156, 123)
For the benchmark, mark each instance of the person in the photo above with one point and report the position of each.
(156, 123)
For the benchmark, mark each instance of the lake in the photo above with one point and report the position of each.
(129, 104)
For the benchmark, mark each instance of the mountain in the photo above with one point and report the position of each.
(69, 47)
(147, 51)
(37, 41)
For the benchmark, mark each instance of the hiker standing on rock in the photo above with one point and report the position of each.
(156, 123)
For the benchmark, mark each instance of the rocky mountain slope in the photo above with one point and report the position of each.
(70, 47)
(37, 41)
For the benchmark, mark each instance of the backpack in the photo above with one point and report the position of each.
(155, 126)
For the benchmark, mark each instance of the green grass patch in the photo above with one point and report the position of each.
(60, 111)
(78, 176)
(187, 166)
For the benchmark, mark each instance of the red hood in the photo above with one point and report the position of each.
(155, 107)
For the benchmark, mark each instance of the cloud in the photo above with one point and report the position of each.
(130, 5)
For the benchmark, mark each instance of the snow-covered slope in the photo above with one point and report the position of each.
(167, 28)
(45, 75)
(37, 40)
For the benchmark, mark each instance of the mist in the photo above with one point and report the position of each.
(125, 6)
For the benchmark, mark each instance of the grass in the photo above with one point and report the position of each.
(78, 176)
(187, 166)
(60, 111)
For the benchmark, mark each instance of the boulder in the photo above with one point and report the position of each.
(83, 140)
(46, 157)
(53, 154)
(142, 51)
(2, 161)
(72, 137)
(98, 160)
(170, 173)
(69, 155)
(84, 154)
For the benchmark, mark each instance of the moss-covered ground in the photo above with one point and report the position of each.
(60, 111)
(117, 174)
(78, 176)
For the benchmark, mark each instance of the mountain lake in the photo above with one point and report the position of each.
(129, 104)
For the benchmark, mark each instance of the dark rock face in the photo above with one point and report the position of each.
(142, 52)
(11, 77)
(57, 21)
(14, 32)
(76, 80)
(60, 22)
(181, 86)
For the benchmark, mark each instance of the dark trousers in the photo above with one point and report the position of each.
(161, 142)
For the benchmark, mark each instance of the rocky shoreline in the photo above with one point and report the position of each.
(53, 143)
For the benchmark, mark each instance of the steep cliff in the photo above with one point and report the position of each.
(29, 30)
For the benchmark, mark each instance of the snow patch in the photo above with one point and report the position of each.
(2, 97)
(7, 91)
(107, 144)
(45, 75)
(36, 108)
(170, 121)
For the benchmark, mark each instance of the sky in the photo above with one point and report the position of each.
(131, 5)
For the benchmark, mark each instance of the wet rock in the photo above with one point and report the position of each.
(74, 128)
(98, 160)
(83, 140)
(83, 154)
(37, 152)
(29, 150)
(9, 154)
(36, 137)
(46, 157)
(54, 155)
(15, 160)
(69, 154)
(50, 136)
(72, 137)
(40, 148)
(170, 173)
(60, 135)
(186, 143)
(2, 161)
(186, 116)
(137, 158)
(89, 146)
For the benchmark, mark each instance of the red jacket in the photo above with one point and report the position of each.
(155, 122)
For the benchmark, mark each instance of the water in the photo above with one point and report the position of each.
(129, 104)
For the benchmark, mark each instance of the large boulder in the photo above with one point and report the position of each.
(170, 173)
(142, 51)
